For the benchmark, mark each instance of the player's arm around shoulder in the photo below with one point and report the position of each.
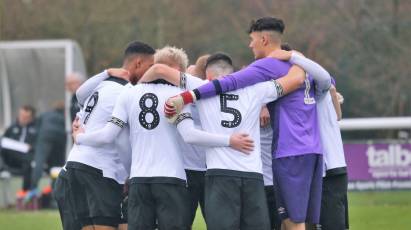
(268, 91)
(295, 76)
(190, 82)
(161, 71)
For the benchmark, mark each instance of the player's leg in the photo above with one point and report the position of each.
(141, 207)
(222, 202)
(103, 196)
(333, 203)
(293, 176)
(314, 204)
(254, 211)
(347, 223)
(88, 227)
(172, 206)
(105, 209)
(195, 182)
(62, 195)
(275, 221)
(287, 224)
(192, 193)
(201, 188)
(124, 214)
(123, 226)
(104, 227)
(78, 200)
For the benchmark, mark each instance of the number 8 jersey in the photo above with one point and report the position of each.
(156, 154)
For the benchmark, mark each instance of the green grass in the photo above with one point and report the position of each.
(380, 210)
(368, 210)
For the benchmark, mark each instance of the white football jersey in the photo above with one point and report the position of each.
(266, 138)
(94, 116)
(330, 134)
(234, 112)
(154, 141)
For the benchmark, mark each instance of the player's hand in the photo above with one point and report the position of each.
(173, 107)
(281, 55)
(242, 142)
(119, 72)
(264, 117)
(76, 124)
(340, 98)
(77, 132)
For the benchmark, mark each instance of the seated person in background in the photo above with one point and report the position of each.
(23, 130)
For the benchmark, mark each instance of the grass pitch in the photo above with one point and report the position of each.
(368, 210)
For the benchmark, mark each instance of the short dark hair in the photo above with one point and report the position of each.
(137, 47)
(30, 109)
(218, 57)
(286, 46)
(267, 23)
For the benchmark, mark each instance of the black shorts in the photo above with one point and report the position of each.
(162, 205)
(96, 199)
(275, 220)
(124, 210)
(195, 181)
(235, 200)
(61, 193)
(334, 205)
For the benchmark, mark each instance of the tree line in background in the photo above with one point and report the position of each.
(364, 44)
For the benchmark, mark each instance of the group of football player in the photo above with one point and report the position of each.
(259, 148)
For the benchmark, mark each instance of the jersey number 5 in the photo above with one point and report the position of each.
(146, 110)
(225, 109)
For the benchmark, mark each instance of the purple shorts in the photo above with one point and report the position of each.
(298, 180)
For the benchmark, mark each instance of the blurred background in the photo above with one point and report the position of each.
(364, 44)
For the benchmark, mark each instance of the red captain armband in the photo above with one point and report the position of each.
(188, 97)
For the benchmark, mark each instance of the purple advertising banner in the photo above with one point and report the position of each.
(378, 166)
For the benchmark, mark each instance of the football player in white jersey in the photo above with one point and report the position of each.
(234, 187)
(194, 155)
(219, 65)
(95, 174)
(61, 185)
(334, 202)
(158, 190)
(123, 145)
(216, 166)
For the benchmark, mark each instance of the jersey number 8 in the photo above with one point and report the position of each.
(149, 110)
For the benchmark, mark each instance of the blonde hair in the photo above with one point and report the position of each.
(172, 54)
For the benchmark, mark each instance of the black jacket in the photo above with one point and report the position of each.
(27, 134)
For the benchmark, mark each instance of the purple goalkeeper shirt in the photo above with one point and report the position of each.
(293, 117)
